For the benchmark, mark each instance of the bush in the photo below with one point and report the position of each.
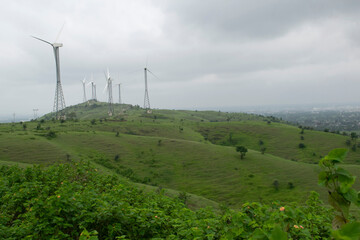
(68, 200)
(276, 185)
(51, 134)
(302, 146)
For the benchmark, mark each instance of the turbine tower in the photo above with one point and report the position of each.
(93, 88)
(83, 83)
(108, 87)
(59, 101)
(119, 85)
(146, 97)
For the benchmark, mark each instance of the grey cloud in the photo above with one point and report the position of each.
(253, 19)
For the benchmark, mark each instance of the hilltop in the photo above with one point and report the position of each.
(187, 151)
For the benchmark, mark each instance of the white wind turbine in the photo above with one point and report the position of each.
(146, 97)
(93, 88)
(83, 83)
(108, 87)
(59, 101)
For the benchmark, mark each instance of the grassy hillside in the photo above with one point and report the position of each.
(279, 139)
(189, 151)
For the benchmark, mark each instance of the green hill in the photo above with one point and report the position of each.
(189, 151)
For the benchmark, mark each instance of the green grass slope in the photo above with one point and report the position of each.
(279, 139)
(175, 150)
(212, 171)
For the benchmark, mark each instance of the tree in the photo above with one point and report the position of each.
(263, 149)
(242, 150)
(301, 145)
(353, 148)
(276, 185)
(353, 135)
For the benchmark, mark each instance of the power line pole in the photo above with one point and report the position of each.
(35, 113)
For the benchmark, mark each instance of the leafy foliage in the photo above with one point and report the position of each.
(242, 150)
(339, 184)
(341, 194)
(74, 201)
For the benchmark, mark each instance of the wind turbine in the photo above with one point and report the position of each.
(146, 97)
(93, 88)
(108, 87)
(59, 101)
(83, 83)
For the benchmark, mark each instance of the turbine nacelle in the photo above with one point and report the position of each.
(57, 44)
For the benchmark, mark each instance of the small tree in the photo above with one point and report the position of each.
(348, 142)
(263, 149)
(301, 145)
(276, 185)
(353, 148)
(242, 150)
(353, 135)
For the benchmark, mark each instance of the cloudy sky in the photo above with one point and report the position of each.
(205, 54)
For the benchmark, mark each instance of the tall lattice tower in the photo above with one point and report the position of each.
(59, 101)
(146, 97)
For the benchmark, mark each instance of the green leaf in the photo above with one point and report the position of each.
(278, 234)
(349, 231)
(352, 196)
(345, 182)
(323, 178)
(258, 234)
(337, 155)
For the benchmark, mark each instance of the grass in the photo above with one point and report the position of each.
(279, 139)
(180, 151)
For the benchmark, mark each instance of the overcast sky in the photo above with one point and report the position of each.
(206, 54)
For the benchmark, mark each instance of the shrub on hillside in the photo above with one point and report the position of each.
(301, 145)
(64, 201)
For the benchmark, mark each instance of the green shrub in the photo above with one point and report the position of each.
(74, 201)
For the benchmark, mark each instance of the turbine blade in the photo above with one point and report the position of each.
(153, 74)
(106, 86)
(57, 38)
(42, 40)
(108, 73)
